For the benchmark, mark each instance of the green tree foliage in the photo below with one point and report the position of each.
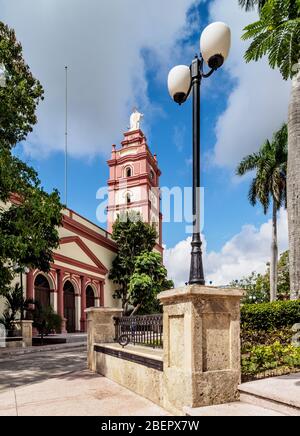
(269, 183)
(46, 320)
(28, 230)
(147, 281)
(270, 316)
(257, 286)
(251, 4)
(270, 164)
(277, 35)
(21, 93)
(134, 238)
(15, 306)
(284, 275)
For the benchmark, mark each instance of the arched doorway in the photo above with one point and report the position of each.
(90, 297)
(42, 290)
(69, 306)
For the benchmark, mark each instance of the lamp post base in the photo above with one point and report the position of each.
(196, 271)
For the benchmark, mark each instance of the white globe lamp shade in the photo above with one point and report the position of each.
(179, 83)
(215, 44)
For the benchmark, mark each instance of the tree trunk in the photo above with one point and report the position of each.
(274, 256)
(135, 309)
(293, 187)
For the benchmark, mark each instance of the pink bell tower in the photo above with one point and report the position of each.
(134, 182)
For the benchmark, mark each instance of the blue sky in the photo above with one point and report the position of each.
(231, 123)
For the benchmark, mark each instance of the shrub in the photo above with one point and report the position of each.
(46, 320)
(265, 357)
(270, 316)
(251, 338)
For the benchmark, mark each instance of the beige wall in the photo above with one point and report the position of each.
(138, 378)
(74, 251)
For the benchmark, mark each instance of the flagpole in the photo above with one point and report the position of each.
(66, 139)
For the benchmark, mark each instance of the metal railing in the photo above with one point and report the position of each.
(144, 330)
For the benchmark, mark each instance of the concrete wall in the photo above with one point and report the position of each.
(133, 376)
(201, 355)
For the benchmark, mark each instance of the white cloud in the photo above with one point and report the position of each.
(258, 104)
(102, 43)
(247, 251)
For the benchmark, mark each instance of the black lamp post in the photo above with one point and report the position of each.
(182, 81)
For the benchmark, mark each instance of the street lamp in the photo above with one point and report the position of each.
(182, 80)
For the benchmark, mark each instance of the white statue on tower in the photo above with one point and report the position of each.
(135, 120)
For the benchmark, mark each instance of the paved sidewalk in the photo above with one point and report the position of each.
(21, 370)
(78, 394)
(12, 353)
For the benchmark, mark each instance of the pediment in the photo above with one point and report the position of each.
(73, 249)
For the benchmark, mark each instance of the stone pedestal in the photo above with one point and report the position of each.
(201, 346)
(100, 329)
(26, 328)
(63, 329)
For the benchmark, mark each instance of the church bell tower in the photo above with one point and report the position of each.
(134, 180)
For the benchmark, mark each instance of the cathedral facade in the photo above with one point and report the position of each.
(78, 277)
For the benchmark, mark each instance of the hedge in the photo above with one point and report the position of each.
(270, 316)
(265, 357)
(251, 338)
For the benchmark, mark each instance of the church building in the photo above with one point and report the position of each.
(79, 273)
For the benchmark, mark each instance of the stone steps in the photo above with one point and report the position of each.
(231, 409)
(278, 396)
(6, 354)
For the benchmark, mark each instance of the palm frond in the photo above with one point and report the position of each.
(252, 194)
(248, 5)
(276, 34)
(270, 165)
(249, 163)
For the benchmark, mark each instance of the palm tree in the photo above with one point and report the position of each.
(269, 183)
(251, 4)
(277, 35)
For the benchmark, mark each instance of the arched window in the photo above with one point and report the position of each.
(128, 172)
(69, 306)
(90, 297)
(42, 290)
(151, 175)
(128, 198)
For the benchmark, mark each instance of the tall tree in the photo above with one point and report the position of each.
(277, 35)
(21, 94)
(29, 224)
(269, 184)
(147, 281)
(133, 237)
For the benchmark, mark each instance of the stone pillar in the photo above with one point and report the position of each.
(77, 312)
(26, 329)
(102, 294)
(60, 299)
(83, 304)
(100, 329)
(201, 346)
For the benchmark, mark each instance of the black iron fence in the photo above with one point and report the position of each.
(142, 330)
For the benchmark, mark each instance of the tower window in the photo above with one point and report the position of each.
(128, 172)
(128, 198)
(151, 175)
